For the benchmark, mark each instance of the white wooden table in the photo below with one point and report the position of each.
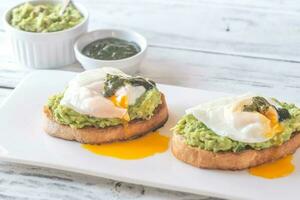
(230, 45)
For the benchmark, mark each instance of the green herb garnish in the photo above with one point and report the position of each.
(114, 82)
(259, 104)
(283, 114)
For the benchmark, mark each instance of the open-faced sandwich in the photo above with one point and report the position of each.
(105, 105)
(235, 133)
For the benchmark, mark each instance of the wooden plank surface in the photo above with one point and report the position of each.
(4, 93)
(223, 73)
(233, 74)
(260, 29)
(27, 182)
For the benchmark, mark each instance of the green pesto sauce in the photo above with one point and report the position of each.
(111, 49)
(114, 82)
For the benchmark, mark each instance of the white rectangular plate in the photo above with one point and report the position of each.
(22, 140)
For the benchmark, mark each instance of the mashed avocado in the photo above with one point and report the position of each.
(44, 17)
(142, 109)
(197, 134)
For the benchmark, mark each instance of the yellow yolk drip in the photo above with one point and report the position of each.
(126, 117)
(126, 126)
(145, 146)
(277, 169)
(272, 115)
(121, 103)
(276, 127)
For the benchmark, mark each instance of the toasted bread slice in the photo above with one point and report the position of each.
(91, 135)
(230, 160)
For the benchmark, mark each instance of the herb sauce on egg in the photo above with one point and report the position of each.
(111, 49)
(114, 82)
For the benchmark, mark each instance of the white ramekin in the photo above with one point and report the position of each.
(45, 50)
(128, 65)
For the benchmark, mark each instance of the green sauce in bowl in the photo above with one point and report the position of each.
(44, 17)
(111, 49)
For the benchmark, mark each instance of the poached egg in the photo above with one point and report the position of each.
(84, 94)
(227, 118)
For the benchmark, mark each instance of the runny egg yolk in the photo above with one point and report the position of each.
(276, 127)
(142, 147)
(121, 102)
(277, 169)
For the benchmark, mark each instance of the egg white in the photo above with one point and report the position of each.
(84, 94)
(225, 118)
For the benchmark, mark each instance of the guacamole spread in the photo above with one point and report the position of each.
(142, 109)
(44, 17)
(196, 134)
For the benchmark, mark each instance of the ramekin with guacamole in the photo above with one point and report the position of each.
(44, 17)
(40, 37)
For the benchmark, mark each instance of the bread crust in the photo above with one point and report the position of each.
(230, 160)
(92, 135)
